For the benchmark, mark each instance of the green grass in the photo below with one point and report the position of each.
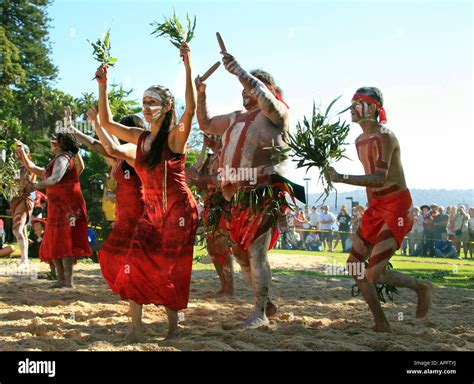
(441, 272)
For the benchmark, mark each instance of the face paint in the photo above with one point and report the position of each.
(360, 111)
(154, 109)
(247, 100)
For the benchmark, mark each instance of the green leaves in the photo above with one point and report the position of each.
(101, 50)
(174, 30)
(9, 171)
(317, 141)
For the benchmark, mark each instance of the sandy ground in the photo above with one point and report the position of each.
(316, 314)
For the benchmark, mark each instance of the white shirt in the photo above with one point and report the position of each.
(326, 217)
(313, 218)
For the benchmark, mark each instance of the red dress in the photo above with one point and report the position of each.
(65, 233)
(128, 209)
(159, 262)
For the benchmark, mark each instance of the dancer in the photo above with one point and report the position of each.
(65, 237)
(129, 198)
(21, 207)
(217, 238)
(158, 264)
(247, 169)
(386, 221)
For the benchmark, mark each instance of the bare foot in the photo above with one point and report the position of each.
(172, 335)
(424, 292)
(222, 292)
(134, 335)
(271, 309)
(255, 322)
(58, 284)
(382, 327)
(24, 265)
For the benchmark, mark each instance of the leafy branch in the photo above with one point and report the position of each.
(9, 171)
(174, 30)
(101, 50)
(316, 143)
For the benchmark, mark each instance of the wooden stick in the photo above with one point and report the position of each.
(221, 42)
(210, 71)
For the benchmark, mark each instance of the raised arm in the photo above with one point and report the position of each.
(111, 145)
(216, 125)
(60, 167)
(27, 162)
(383, 157)
(276, 111)
(80, 164)
(179, 135)
(128, 134)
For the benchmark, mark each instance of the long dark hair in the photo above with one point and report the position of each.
(154, 155)
(130, 121)
(67, 142)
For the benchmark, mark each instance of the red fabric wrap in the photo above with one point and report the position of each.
(158, 264)
(371, 100)
(391, 210)
(128, 209)
(65, 233)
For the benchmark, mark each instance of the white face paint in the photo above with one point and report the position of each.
(360, 112)
(154, 109)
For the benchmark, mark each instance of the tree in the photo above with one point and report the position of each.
(26, 24)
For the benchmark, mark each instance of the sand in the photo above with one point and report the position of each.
(316, 314)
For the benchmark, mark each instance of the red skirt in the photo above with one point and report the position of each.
(112, 254)
(391, 210)
(65, 233)
(158, 265)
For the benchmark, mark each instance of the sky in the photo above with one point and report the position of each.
(419, 53)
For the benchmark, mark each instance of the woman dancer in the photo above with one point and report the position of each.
(65, 237)
(21, 206)
(129, 199)
(158, 265)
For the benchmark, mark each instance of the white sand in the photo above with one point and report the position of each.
(315, 314)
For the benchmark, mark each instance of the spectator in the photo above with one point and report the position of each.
(357, 213)
(36, 237)
(312, 242)
(470, 227)
(2, 233)
(425, 213)
(307, 222)
(461, 231)
(440, 223)
(344, 222)
(299, 220)
(429, 231)
(444, 247)
(415, 236)
(451, 212)
(326, 221)
(91, 236)
(292, 240)
(313, 218)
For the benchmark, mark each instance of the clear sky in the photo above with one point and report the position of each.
(419, 53)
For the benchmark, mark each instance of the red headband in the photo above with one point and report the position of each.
(371, 100)
(277, 94)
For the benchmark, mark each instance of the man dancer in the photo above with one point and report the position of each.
(247, 169)
(386, 221)
(205, 178)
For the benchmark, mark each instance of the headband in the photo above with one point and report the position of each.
(371, 100)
